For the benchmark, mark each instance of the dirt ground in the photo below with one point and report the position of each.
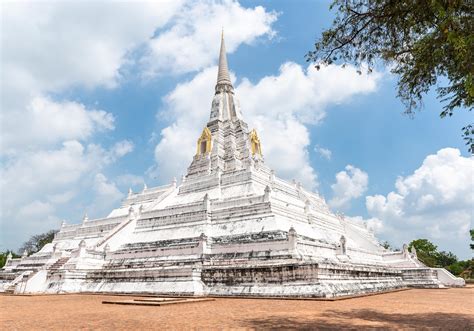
(416, 309)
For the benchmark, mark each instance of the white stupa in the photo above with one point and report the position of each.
(231, 227)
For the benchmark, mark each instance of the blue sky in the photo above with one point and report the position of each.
(100, 97)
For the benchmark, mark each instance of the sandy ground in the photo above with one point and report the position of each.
(417, 309)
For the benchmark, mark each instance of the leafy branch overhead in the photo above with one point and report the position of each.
(421, 41)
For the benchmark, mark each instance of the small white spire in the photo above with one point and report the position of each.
(307, 206)
(130, 192)
(145, 187)
(207, 202)
(85, 218)
(267, 193)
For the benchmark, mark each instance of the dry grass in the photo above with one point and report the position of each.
(416, 309)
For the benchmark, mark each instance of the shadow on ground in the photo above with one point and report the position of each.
(366, 319)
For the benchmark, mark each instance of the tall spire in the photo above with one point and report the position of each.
(225, 145)
(223, 77)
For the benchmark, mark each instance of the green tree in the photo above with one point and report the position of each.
(426, 251)
(444, 259)
(459, 267)
(421, 41)
(472, 238)
(386, 245)
(36, 242)
(468, 271)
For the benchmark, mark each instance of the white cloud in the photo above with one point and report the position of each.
(323, 152)
(285, 144)
(130, 180)
(62, 197)
(45, 122)
(106, 195)
(35, 209)
(372, 224)
(69, 44)
(304, 93)
(350, 184)
(48, 172)
(189, 44)
(73, 42)
(280, 108)
(104, 188)
(122, 148)
(435, 202)
(43, 184)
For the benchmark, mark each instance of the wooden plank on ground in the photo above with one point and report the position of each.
(154, 302)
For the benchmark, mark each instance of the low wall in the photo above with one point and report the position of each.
(448, 279)
(298, 279)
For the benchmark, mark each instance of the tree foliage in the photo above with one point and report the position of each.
(445, 259)
(462, 268)
(421, 41)
(426, 251)
(472, 238)
(36, 242)
(386, 245)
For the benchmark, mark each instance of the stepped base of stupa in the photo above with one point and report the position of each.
(194, 270)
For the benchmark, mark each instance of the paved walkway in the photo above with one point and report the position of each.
(426, 309)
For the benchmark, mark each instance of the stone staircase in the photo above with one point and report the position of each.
(57, 265)
(10, 288)
(28, 274)
(114, 231)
